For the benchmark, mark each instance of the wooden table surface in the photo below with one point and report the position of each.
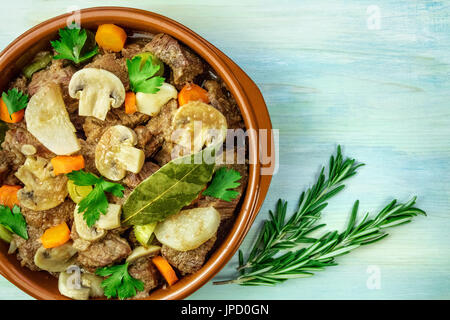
(372, 76)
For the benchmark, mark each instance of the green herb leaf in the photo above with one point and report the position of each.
(224, 179)
(119, 282)
(168, 190)
(71, 43)
(144, 79)
(13, 221)
(82, 178)
(95, 203)
(15, 100)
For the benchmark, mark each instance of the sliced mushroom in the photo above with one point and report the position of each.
(142, 251)
(55, 259)
(94, 283)
(110, 220)
(42, 189)
(71, 287)
(197, 124)
(47, 119)
(151, 103)
(85, 232)
(115, 154)
(98, 90)
(80, 286)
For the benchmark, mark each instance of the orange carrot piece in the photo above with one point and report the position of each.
(111, 37)
(8, 195)
(165, 269)
(56, 236)
(4, 114)
(130, 103)
(67, 164)
(192, 92)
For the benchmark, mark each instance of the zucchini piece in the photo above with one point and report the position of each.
(144, 234)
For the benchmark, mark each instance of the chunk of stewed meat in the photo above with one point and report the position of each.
(188, 262)
(183, 62)
(57, 73)
(105, 252)
(144, 270)
(132, 180)
(152, 136)
(18, 140)
(26, 249)
(224, 103)
(49, 218)
(113, 63)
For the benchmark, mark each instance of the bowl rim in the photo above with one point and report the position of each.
(228, 72)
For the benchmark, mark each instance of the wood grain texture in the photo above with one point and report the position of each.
(330, 79)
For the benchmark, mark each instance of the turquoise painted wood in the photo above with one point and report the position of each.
(332, 73)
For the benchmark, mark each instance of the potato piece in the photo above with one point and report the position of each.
(188, 229)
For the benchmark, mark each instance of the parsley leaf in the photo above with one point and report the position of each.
(71, 43)
(82, 178)
(223, 180)
(15, 100)
(143, 79)
(119, 283)
(13, 221)
(95, 203)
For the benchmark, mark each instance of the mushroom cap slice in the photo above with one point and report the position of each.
(68, 288)
(48, 121)
(55, 259)
(94, 283)
(85, 232)
(89, 285)
(115, 154)
(110, 220)
(197, 124)
(98, 90)
(142, 251)
(42, 191)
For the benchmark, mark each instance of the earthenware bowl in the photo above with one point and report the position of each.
(251, 103)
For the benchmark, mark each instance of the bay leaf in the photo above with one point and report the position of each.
(169, 189)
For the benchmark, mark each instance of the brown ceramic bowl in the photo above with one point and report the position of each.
(251, 103)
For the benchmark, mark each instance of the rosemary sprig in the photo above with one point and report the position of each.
(278, 234)
(322, 253)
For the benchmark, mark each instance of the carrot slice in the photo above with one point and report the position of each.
(4, 114)
(130, 103)
(56, 236)
(192, 92)
(111, 37)
(67, 164)
(8, 195)
(165, 269)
